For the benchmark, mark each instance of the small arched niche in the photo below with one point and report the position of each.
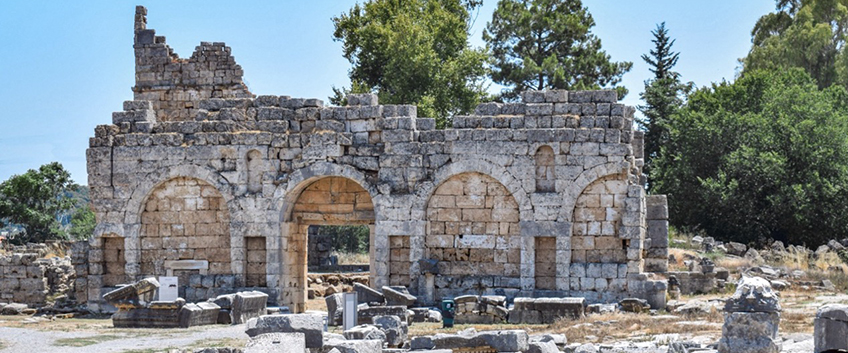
(254, 171)
(545, 171)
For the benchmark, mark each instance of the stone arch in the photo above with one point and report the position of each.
(545, 169)
(573, 191)
(324, 194)
(184, 231)
(253, 161)
(473, 232)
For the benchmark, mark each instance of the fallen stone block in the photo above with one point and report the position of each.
(13, 309)
(831, 328)
(354, 346)
(634, 305)
(396, 330)
(366, 315)
(335, 306)
(365, 332)
(147, 317)
(137, 294)
(204, 313)
(501, 341)
(398, 298)
(312, 326)
(542, 347)
(248, 305)
(366, 294)
(283, 342)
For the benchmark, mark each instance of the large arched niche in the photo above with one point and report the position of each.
(473, 234)
(598, 253)
(185, 231)
(329, 200)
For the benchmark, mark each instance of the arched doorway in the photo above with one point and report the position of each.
(328, 201)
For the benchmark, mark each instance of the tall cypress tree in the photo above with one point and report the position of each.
(664, 95)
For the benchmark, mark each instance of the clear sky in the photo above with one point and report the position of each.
(65, 67)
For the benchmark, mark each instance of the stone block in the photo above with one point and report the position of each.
(282, 342)
(831, 328)
(335, 309)
(204, 313)
(352, 346)
(311, 326)
(365, 332)
(394, 297)
(366, 315)
(366, 294)
(395, 329)
(248, 305)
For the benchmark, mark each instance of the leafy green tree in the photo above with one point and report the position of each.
(809, 34)
(82, 223)
(663, 96)
(548, 44)
(35, 200)
(413, 52)
(763, 157)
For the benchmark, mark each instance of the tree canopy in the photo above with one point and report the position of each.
(413, 52)
(763, 157)
(809, 34)
(548, 44)
(37, 200)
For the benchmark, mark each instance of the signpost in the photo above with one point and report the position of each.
(168, 289)
(349, 310)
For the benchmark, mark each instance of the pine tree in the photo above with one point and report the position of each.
(663, 96)
(548, 44)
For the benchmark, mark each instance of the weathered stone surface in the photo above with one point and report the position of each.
(542, 347)
(365, 332)
(831, 328)
(395, 329)
(283, 342)
(312, 326)
(335, 309)
(366, 315)
(634, 305)
(367, 294)
(248, 305)
(353, 346)
(145, 317)
(545, 310)
(501, 341)
(753, 294)
(136, 294)
(396, 297)
(750, 332)
(205, 313)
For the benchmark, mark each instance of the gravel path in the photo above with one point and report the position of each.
(27, 340)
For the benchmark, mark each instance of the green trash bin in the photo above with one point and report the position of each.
(448, 309)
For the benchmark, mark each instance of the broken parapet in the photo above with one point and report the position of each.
(752, 318)
(545, 310)
(487, 309)
(831, 328)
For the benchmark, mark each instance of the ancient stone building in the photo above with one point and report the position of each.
(199, 178)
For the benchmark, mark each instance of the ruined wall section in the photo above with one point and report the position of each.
(175, 85)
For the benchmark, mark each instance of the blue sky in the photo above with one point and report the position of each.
(65, 68)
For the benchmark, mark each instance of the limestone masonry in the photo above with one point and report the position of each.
(199, 178)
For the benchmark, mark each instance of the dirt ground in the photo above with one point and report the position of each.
(39, 334)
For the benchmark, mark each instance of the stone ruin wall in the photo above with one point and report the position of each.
(542, 197)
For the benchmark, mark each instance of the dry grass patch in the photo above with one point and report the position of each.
(619, 326)
(349, 258)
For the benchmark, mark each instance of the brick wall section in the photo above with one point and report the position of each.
(185, 219)
(597, 250)
(399, 261)
(334, 201)
(546, 263)
(114, 262)
(255, 271)
(473, 231)
(656, 255)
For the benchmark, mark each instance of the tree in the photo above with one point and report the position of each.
(809, 34)
(763, 157)
(663, 96)
(35, 200)
(413, 52)
(547, 44)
